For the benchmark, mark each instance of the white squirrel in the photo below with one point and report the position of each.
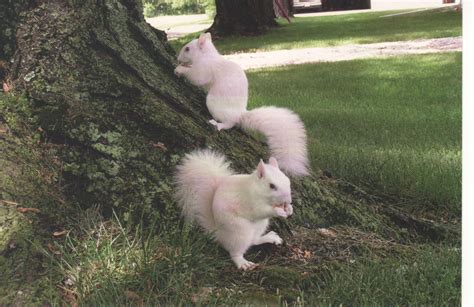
(227, 94)
(235, 208)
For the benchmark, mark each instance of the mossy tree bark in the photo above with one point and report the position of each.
(240, 17)
(101, 90)
(101, 85)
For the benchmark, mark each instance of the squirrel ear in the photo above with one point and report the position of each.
(261, 169)
(203, 38)
(273, 162)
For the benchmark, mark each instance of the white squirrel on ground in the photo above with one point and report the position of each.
(227, 93)
(235, 208)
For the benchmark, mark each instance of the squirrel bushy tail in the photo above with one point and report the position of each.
(196, 180)
(286, 136)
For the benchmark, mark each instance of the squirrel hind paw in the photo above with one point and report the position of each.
(221, 126)
(247, 266)
(243, 264)
(215, 124)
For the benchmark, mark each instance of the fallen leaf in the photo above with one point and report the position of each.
(69, 296)
(6, 87)
(52, 249)
(134, 297)
(12, 244)
(70, 281)
(8, 202)
(59, 233)
(25, 210)
(159, 145)
(327, 232)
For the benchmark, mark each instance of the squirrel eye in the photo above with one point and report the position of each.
(186, 49)
(273, 187)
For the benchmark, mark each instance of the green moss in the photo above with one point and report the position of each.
(14, 227)
(24, 277)
(29, 177)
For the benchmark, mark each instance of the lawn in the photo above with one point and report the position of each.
(105, 263)
(324, 31)
(430, 276)
(391, 125)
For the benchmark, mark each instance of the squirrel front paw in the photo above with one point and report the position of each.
(179, 70)
(273, 238)
(281, 212)
(284, 211)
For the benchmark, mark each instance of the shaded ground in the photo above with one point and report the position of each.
(344, 53)
(177, 26)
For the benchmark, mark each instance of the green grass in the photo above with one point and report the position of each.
(324, 31)
(393, 125)
(103, 262)
(429, 276)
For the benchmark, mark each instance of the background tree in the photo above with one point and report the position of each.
(245, 17)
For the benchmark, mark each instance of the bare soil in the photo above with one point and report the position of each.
(345, 53)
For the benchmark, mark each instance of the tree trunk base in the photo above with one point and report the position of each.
(237, 17)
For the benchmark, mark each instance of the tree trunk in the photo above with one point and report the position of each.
(101, 94)
(242, 17)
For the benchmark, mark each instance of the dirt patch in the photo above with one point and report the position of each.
(345, 53)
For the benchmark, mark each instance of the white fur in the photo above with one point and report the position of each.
(286, 136)
(235, 208)
(225, 82)
(227, 95)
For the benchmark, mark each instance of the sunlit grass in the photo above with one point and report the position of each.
(105, 263)
(392, 125)
(324, 31)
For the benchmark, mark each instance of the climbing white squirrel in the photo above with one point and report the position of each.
(227, 94)
(236, 209)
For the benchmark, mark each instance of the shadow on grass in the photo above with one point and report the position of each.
(393, 125)
(361, 28)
